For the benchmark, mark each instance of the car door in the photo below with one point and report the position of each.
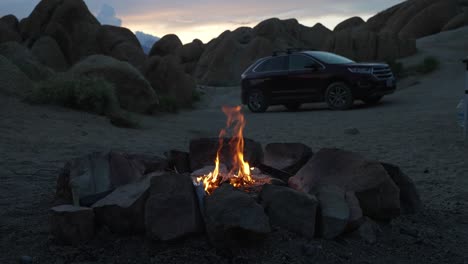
(274, 72)
(305, 77)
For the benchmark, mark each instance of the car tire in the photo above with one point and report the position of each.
(372, 100)
(293, 106)
(339, 96)
(257, 101)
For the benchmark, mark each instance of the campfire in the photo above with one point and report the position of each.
(241, 174)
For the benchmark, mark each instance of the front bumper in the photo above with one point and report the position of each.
(373, 87)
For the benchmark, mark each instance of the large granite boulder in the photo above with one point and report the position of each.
(69, 22)
(234, 219)
(13, 80)
(378, 195)
(9, 29)
(458, 21)
(349, 24)
(189, 55)
(120, 43)
(168, 77)
(168, 44)
(48, 52)
(25, 61)
(133, 90)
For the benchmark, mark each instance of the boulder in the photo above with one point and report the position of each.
(349, 24)
(148, 163)
(191, 51)
(355, 211)
(172, 209)
(87, 179)
(132, 89)
(179, 160)
(288, 157)
(290, 209)
(8, 33)
(168, 44)
(378, 195)
(458, 21)
(71, 225)
(69, 22)
(333, 213)
(120, 43)
(168, 77)
(11, 21)
(367, 231)
(25, 61)
(123, 210)
(410, 201)
(13, 80)
(430, 20)
(234, 219)
(203, 152)
(48, 52)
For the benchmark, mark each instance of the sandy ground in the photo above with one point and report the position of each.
(414, 128)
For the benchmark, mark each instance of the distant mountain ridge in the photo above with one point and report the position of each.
(146, 40)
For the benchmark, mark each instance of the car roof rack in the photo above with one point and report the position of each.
(287, 51)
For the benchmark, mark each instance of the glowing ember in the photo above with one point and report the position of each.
(240, 175)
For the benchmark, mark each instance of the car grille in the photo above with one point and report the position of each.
(382, 73)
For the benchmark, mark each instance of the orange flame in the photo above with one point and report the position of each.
(240, 173)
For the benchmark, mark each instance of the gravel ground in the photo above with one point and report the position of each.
(414, 128)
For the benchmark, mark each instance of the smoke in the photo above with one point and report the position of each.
(107, 16)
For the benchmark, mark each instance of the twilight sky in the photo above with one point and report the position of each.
(206, 19)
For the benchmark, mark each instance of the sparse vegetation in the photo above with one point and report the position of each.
(86, 94)
(428, 65)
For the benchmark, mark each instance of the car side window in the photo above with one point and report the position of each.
(301, 62)
(273, 64)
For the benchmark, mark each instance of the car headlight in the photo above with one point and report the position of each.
(361, 70)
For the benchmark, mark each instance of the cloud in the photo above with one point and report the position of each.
(107, 16)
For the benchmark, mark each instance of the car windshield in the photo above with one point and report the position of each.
(330, 58)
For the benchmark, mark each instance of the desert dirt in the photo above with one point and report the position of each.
(415, 129)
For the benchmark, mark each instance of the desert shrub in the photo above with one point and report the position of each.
(86, 94)
(428, 65)
(397, 68)
(167, 104)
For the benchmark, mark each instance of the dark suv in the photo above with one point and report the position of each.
(293, 78)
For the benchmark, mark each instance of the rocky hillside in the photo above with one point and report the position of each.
(388, 35)
(60, 33)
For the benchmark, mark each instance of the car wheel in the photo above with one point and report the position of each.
(338, 96)
(292, 106)
(372, 100)
(257, 101)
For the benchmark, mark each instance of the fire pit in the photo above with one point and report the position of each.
(225, 194)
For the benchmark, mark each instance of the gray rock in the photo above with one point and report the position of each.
(234, 219)
(123, 211)
(150, 163)
(203, 152)
(172, 209)
(410, 201)
(367, 231)
(288, 157)
(334, 211)
(72, 225)
(179, 160)
(378, 195)
(290, 209)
